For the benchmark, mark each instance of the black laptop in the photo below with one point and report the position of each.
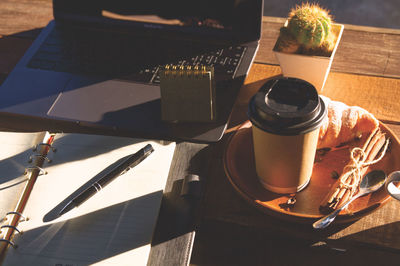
(95, 68)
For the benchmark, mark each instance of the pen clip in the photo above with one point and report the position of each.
(126, 170)
(148, 149)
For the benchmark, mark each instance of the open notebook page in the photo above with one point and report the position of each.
(115, 226)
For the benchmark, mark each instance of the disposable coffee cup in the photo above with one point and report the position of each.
(286, 114)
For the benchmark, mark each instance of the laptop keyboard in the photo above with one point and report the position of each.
(116, 56)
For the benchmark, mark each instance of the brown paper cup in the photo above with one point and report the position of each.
(284, 163)
(286, 115)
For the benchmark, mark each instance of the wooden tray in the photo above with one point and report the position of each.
(240, 169)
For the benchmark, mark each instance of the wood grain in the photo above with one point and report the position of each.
(362, 50)
(19, 16)
(239, 167)
(373, 93)
(11, 50)
(364, 72)
(223, 203)
(233, 244)
(175, 231)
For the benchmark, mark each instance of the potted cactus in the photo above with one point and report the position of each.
(307, 44)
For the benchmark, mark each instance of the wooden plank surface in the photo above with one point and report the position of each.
(11, 50)
(375, 94)
(232, 244)
(223, 204)
(23, 17)
(176, 225)
(20, 23)
(246, 235)
(362, 50)
(233, 232)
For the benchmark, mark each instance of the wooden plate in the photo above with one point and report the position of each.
(240, 169)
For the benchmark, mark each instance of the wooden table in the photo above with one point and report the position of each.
(365, 72)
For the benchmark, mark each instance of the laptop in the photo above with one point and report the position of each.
(95, 67)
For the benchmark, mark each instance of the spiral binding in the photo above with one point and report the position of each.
(44, 157)
(8, 241)
(54, 149)
(10, 226)
(196, 71)
(30, 169)
(182, 87)
(22, 218)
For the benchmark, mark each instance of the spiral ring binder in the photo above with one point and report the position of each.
(8, 230)
(22, 217)
(196, 71)
(188, 93)
(30, 169)
(39, 155)
(8, 242)
(10, 226)
(54, 149)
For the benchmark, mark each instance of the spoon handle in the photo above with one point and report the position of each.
(328, 219)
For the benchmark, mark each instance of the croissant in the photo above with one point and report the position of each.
(344, 123)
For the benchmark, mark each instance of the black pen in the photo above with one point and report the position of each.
(120, 169)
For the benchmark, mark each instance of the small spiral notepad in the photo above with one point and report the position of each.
(187, 94)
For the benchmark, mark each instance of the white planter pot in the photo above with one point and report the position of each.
(314, 69)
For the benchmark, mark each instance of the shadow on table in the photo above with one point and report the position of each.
(228, 244)
(386, 236)
(178, 213)
(18, 43)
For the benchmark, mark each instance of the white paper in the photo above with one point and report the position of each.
(115, 226)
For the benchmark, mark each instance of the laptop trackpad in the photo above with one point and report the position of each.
(108, 102)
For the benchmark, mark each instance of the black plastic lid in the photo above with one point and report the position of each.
(287, 106)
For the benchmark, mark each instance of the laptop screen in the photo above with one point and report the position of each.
(237, 19)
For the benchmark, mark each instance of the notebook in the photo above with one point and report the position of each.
(114, 226)
(95, 67)
(187, 94)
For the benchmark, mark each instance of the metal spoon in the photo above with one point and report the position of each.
(371, 182)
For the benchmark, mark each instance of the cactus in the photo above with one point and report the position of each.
(311, 27)
(287, 43)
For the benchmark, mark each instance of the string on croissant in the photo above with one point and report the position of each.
(344, 123)
(361, 158)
